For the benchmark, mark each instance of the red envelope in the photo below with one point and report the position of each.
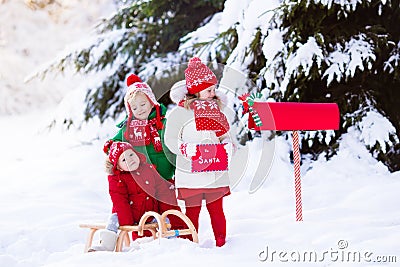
(210, 157)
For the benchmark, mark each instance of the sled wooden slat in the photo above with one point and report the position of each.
(190, 231)
(123, 236)
(93, 225)
(170, 233)
(157, 232)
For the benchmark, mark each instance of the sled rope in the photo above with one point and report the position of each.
(297, 180)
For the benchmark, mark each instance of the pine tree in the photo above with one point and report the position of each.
(347, 52)
(365, 31)
(137, 34)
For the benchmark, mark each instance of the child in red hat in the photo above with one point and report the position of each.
(135, 187)
(143, 127)
(198, 121)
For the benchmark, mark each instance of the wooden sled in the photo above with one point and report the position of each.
(156, 231)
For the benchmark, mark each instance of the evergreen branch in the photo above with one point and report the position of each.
(223, 44)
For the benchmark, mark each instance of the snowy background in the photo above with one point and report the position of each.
(52, 181)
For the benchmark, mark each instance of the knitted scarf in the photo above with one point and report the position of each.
(208, 117)
(143, 132)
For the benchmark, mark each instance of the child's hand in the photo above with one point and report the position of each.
(230, 150)
(188, 150)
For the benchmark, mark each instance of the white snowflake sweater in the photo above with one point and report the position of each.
(181, 128)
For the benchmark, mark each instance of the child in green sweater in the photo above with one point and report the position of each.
(144, 126)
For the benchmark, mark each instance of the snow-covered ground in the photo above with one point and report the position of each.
(30, 37)
(53, 181)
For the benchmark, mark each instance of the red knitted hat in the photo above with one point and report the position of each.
(198, 76)
(132, 78)
(115, 149)
(135, 84)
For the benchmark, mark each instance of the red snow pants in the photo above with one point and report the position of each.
(215, 209)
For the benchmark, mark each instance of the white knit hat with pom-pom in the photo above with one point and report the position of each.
(135, 84)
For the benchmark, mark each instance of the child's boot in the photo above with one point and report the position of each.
(108, 240)
(220, 240)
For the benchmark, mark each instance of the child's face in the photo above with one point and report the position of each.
(207, 94)
(128, 161)
(140, 106)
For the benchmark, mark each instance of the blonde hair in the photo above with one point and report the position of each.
(131, 97)
(108, 166)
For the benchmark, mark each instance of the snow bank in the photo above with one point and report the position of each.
(54, 181)
(29, 37)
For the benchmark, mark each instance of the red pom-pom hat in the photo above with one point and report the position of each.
(132, 78)
(115, 149)
(198, 76)
(135, 84)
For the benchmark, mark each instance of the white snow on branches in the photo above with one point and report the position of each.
(394, 59)
(246, 17)
(375, 128)
(303, 59)
(344, 61)
(348, 5)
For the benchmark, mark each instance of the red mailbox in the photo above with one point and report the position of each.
(284, 116)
